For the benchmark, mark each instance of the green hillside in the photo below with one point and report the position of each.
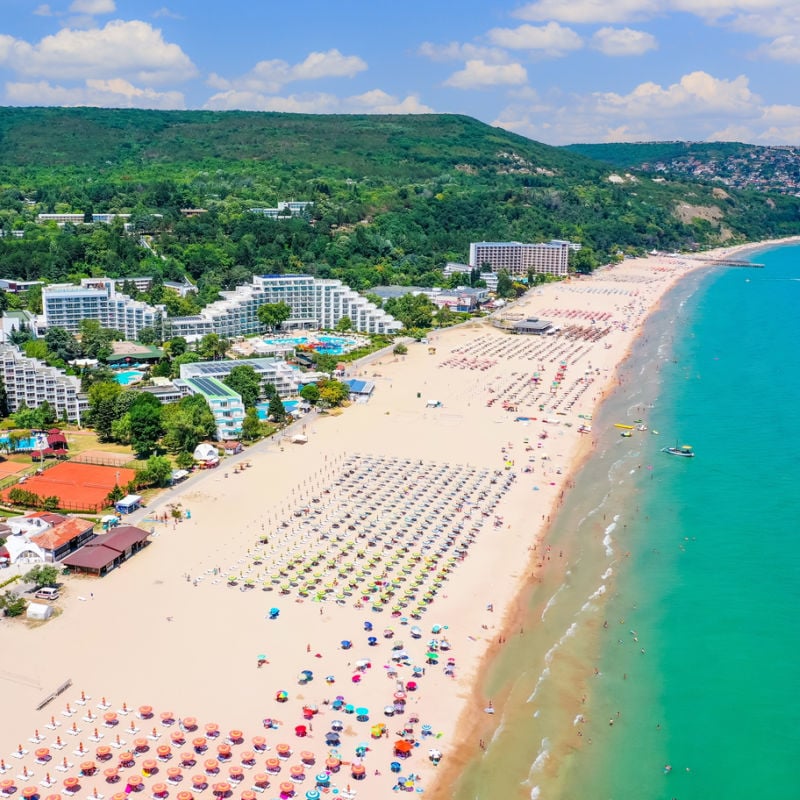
(394, 196)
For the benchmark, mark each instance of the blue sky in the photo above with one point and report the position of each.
(558, 71)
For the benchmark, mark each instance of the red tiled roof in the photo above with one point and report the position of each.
(91, 557)
(62, 534)
(120, 538)
(49, 517)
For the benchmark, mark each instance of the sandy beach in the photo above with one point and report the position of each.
(322, 619)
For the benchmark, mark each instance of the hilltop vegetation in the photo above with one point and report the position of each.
(394, 197)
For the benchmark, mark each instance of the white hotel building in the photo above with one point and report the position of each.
(65, 305)
(30, 381)
(315, 303)
(516, 258)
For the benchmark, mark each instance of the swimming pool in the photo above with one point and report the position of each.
(29, 443)
(263, 408)
(129, 376)
(323, 343)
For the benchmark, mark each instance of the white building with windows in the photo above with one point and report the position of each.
(516, 258)
(285, 208)
(65, 305)
(30, 381)
(315, 303)
(281, 375)
(225, 404)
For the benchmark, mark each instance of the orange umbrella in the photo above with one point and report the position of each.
(199, 743)
(222, 788)
(134, 781)
(111, 774)
(88, 767)
(273, 765)
(145, 711)
(287, 788)
(42, 753)
(164, 751)
(119, 796)
(259, 742)
(177, 737)
(212, 729)
(236, 773)
(141, 744)
(211, 765)
(125, 759)
(110, 717)
(159, 789)
(248, 794)
(224, 750)
(297, 771)
(332, 764)
(71, 783)
(185, 796)
(187, 760)
(261, 779)
(7, 785)
(53, 797)
(402, 746)
(173, 773)
(307, 757)
(235, 736)
(283, 750)
(358, 771)
(189, 723)
(103, 752)
(199, 781)
(29, 791)
(167, 717)
(149, 765)
(248, 757)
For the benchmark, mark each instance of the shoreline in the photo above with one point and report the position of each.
(230, 507)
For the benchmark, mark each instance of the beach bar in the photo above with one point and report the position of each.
(107, 551)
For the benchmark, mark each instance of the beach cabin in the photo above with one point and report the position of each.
(107, 551)
(128, 504)
(360, 391)
(63, 538)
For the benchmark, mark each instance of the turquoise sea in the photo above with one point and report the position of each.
(659, 655)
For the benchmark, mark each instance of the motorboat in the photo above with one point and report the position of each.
(684, 450)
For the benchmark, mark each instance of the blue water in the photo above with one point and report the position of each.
(129, 376)
(29, 443)
(661, 656)
(324, 343)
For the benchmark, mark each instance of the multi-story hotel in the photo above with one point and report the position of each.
(315, 303)
(226, 405)
(285, 208)
(269, 370)
(30, 381)
(516, 258)
(65, 305)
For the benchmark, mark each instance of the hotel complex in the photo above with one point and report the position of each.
(516, 258)
(65, 305)
(32, 382)
(269, 370)
(315, 303)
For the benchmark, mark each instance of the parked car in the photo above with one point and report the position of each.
(47, 593)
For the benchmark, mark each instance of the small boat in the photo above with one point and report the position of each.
(623, 425)
(627, 434)
(641, 427)
(584, 429)
(684, 450)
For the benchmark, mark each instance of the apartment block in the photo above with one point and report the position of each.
(30, 381)
(269, 370)
(516, 258)
(225, 404)
(65, 305)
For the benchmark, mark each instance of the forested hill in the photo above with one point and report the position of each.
(394, 197)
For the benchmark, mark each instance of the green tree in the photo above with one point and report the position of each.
(276, 410)
(146, 424)
(96, 340)
(117, 493)
(176, 346)
(333, 393)
(251, 425)
(344, 324)
(33, 299)
(20, 336)
(121, 429)
(62, 344)
(185, 358)
(505, 286)
(400, 349)
(47, 414)
(212, 347)
(103, 410)
(12, 604)
(187, 423)
(157, 471)
(25, 417)
(244, 380)
(310, 393)
(413, 310)
(42, 575)
(149, 335)
(184, 460)
(273, 315)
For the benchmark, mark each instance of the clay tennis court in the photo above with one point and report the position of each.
(10, 467)
(78, 486)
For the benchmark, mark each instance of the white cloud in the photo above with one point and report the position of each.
(551, 39)
(477, 74)
(43, 10)
(695, 93)
(783, 48)
(93, 6)
(112, 93)
(456, 51)
(269, 76)
(698, 107)
(589, 11)
(375, 101)
(132, 50)
(166, 12)
(623, 42)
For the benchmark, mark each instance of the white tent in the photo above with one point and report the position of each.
(206, 452)
(299, 438)
(39, 611)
